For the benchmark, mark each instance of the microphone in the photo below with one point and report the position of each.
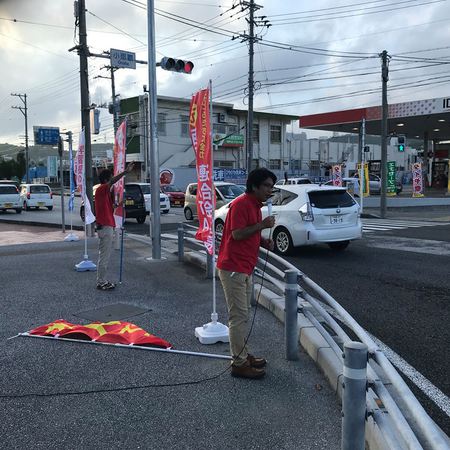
(269, 206)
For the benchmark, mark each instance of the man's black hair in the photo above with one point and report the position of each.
(257, 177)
(104, 176)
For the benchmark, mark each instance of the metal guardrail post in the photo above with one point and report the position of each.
(180, 242)
(354, 408)
(290, 318)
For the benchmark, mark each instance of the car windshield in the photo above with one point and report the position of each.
(170, 188)
(146, 189)
(230, 191)
(330, 199)
(39, 189)
(8, 190)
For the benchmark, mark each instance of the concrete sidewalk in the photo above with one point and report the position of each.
(292, 408)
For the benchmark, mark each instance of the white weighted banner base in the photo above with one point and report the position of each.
(212, 332)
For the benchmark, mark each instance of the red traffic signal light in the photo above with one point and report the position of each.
(176, 65)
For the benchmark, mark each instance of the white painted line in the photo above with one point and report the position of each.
(403, 222)
(425, 385)
(376, 228)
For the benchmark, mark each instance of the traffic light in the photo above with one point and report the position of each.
(176, 65)
(401, 143)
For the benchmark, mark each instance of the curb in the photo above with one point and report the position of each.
(41, 224)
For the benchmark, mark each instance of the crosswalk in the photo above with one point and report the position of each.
(374, 225)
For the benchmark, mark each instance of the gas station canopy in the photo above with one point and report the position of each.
(415, 120)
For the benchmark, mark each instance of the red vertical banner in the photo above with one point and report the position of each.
(200, 132)
(120, 145)
(337, 175)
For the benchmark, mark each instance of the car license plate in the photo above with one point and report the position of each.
(129, 202)
(176, 202)
(336, 219)
(41, 204)
(8, 205)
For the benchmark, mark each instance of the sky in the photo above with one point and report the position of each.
(316, 56)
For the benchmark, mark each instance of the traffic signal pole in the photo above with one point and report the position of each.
(155, 213)
(251, 85)
(384, 132)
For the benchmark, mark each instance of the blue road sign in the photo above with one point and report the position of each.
(46, 135)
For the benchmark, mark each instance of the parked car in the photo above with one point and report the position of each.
(374, 184)
(297, 180)
(225, 192)
(306, 215)
(15, 183)
(164, 200)
(36, 196)
(10, 198)
(175, 194)
(134, 203)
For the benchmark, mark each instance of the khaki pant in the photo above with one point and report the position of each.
(238, 291)
(105, 245)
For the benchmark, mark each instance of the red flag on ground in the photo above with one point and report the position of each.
(200, 132)
(114, 332)
(120, 145)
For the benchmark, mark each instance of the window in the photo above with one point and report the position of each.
(282, 197)
(193, 189)
(37, 189)
(162, 117)
(274, 163)
(275, 134)
(227, 164)
(220, 128)
(256, 132)
(229, 191)
(330, 199)
(232, 129)
(184, 126)
(8, 190)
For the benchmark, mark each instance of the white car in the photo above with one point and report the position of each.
(10, 198)
(164, 200)
(297, 180)
(308, 214)
(36, 196)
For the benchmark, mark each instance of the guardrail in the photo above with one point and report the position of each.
(401, 419)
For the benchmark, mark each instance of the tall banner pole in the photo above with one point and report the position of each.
(85, 265)
(200, 127)
(214, 312)
(71, 237)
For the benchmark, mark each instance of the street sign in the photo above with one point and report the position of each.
(46, 135)
(122, 59)
(391, 187)
(52, 166)
(224, 140)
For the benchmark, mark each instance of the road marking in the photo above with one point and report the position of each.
(424, 384)
(372, 225)
(426, 246)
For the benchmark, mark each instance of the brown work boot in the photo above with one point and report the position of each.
(247, 371)
(258, 363)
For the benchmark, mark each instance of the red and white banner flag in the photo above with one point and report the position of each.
(417, 177)
(79, 170)
(200, 132)
(120, 145)
(337, 175)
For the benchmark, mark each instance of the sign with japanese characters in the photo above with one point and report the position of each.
(228, 140)
(200, 132)
(391, 187)
(122, 59)
(337, 175)
(417, 180)
(236, 176)
(120, 145)
(46, 135)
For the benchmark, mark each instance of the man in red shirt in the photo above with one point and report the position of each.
(104, 216)
(238, 256)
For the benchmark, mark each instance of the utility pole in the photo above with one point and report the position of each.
(155, 213)
(113, 94)
(251, 85)
(384, 132)
(24, 110)
(83, 52)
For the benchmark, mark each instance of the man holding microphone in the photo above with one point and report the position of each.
(237, 258)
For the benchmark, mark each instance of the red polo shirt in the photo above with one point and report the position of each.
(240, 256)
(104, 211)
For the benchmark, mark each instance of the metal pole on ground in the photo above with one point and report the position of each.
(61, 176)
(354, 390)
(384, 132)
(180, 242)
(290, 320)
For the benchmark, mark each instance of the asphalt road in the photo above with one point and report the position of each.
(396, 286)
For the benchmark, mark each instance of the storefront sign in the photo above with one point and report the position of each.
(224, 140)
(417, 180)
(391, 187)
